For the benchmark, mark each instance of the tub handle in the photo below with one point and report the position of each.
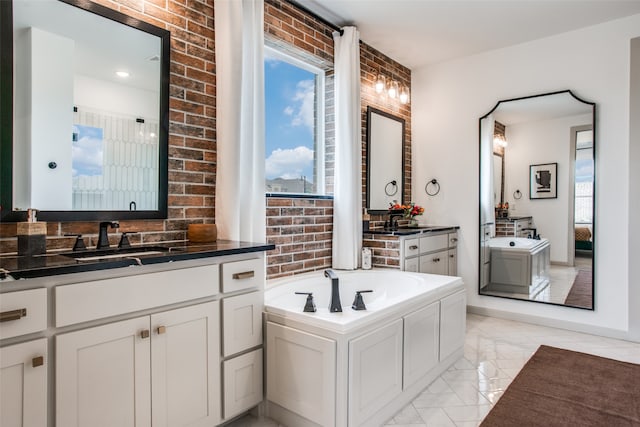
(309, 305)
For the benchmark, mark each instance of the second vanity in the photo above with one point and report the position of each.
(175, 341)
(428, 249)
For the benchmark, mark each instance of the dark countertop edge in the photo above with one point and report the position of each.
(409, 231)
(76, 267)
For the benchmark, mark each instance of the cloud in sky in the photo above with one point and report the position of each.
(86, 151)
(302, 110)
(289, 163)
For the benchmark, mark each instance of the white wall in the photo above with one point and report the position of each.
(105, 96)
(541, 142)
(448, 99)
(634, 192)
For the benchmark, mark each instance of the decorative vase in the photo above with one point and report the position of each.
(413, 222)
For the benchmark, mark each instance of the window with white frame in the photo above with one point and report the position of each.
(294, 125)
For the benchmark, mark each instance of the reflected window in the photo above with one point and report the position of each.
(584, 177)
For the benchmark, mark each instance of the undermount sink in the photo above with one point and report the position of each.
(115, 253)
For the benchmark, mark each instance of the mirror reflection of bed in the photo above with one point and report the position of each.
(538, 246)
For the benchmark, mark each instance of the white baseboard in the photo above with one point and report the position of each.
(553, 323)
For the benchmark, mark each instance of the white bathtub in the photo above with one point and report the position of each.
(358, 368)
(392, 290)
(519, 264)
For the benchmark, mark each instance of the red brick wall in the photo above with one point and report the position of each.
(192, 146)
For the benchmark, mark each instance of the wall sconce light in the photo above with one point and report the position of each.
(381, 83)
(387, 87)
(404, 94)
(500, 140)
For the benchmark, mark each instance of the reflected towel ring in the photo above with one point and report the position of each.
(436, 189)
(517, 195)
(394, 188)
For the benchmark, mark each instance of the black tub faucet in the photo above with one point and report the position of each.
(334, 305)
(103, 237)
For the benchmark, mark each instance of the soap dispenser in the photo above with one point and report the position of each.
(366, 258)
(32, 235)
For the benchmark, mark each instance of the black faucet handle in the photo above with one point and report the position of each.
(79, 243)
(309, 306)
(358, 302)
(124, 240)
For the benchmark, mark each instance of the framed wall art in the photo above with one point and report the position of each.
(543, 181)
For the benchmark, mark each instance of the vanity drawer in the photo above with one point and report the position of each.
(242, 383)
(453, 240)
(244, 274)
(81, 302)
(23, 312)
(433, 243)
(241, 322)
(411, 247)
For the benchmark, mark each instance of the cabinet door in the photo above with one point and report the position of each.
(242, 322)
(301, 373)
(421, 343)
(435, 263)
(185, 364)
(103, 376)
(412, 264)
(23, 384)
(452, 257)
(453, 316)
(375, 371)
(242, 383)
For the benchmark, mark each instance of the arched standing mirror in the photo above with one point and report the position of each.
(537, 205)
(85, 112)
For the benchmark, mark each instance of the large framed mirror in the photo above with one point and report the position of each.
(537, 199)
(85, 112)
(385, 160)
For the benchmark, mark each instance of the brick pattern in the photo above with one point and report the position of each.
(301, 35)
(385, 250)
(373, 62)
(192, 144)
(302, 230)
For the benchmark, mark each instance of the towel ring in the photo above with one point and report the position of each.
(517, 195)
(436, 184)
(394, 187)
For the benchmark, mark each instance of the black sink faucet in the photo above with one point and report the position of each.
(103, 237)
(334, 305)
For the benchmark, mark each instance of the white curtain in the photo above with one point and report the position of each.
(240, 199)
(347, 196)
(487, 212)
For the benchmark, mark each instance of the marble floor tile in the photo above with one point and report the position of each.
(495, 351)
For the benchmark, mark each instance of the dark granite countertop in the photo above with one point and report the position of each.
(404, 231)
(50, 264)
(514, 218)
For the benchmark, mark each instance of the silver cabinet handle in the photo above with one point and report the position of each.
(413, 247)
(243, 275)
(454, 239)
(7, 316)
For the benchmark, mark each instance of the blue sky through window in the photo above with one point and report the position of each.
(290, 121)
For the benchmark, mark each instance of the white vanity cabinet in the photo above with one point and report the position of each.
(168, 344)
(431, 253)
(23, 384)
(158, 370)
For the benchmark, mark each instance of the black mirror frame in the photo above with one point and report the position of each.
(7, 214)
(371, 110)
(593, 266)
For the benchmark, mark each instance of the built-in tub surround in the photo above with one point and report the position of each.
(358, 368)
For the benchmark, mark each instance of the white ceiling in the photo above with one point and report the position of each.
(417, 33)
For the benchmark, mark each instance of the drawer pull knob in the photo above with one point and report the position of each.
(37, 361)
(413, 247)
(244, 275)
(454, 239)
(144, 334)
(161, 329)
(436, 260)
(7, 316)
